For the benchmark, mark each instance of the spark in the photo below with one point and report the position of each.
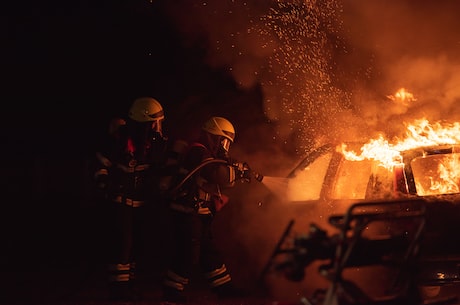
(301, 64)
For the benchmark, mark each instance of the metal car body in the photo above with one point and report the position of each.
(427, 177)
(329, 176)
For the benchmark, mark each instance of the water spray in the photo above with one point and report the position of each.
(277, 185)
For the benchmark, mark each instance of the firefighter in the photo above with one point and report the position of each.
(127, 165)
(206, 170)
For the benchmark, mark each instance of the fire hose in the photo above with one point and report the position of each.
(242, 168)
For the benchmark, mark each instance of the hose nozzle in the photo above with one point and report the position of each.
(258, 176)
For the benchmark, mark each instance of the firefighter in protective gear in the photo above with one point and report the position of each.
(206, 170)
(128, 163)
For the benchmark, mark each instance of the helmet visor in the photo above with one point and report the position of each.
(225, 143)
(157, 115)
(157, 126)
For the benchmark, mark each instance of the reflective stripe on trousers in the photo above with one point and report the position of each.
(218, 277)
(121, 272)
(175, 281)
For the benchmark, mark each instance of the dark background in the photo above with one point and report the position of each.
(68, 67)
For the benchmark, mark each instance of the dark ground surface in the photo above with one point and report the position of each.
(88, 287)
(66, 287)
(52, 252)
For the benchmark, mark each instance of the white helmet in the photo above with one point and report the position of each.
(146, 109)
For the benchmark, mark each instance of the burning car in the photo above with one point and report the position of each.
(391, 199)
(327, 175)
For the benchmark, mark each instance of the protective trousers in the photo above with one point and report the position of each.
(124, 242)
(193, 244)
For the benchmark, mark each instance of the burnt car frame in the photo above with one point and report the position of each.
(359, 194)
(340, 179)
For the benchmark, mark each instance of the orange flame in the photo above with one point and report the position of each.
(402, 96)
(441, 175)
(447, 179)
(421, 133)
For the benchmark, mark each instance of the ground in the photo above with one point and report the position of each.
(67, 287)
(74, 287)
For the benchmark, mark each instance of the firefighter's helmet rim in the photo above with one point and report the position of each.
(220, 126)
(146, 109)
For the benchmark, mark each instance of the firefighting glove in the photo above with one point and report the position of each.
(243, 172)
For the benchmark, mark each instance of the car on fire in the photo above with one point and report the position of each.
(421, 183)
(326, 174)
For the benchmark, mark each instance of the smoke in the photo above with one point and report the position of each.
(283, 47)
(413, 45)
(326, 70)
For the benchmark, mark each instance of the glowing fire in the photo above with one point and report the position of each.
(421, 133)
(444, 178)
(402, 96)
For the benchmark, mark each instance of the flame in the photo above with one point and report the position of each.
(421, 133)
(434, 174)
(447, 179)
(378, 149)
(402, 96)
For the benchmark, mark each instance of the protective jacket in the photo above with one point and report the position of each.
(129, 163)
(203, 178)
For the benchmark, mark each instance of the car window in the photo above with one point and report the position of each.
(436, 174)
(307, 183)
(351, 180)
(381, 182)
(364, 179)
